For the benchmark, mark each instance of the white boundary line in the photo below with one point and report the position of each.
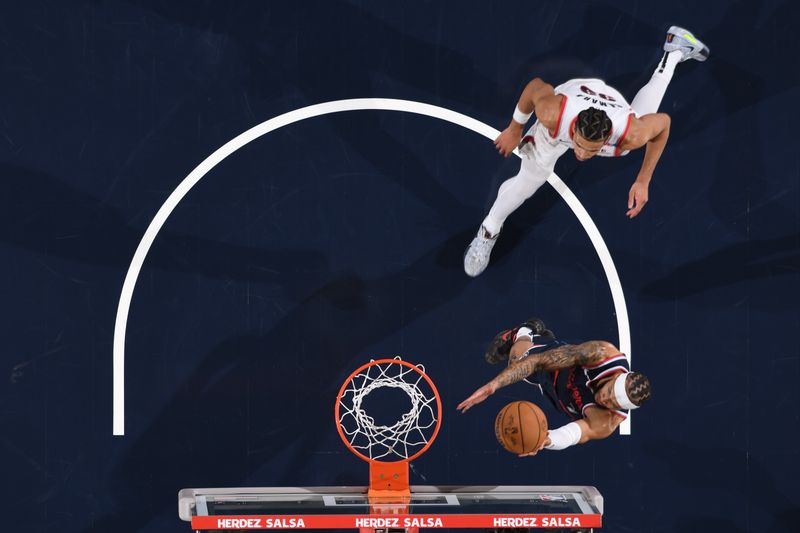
(357, 104)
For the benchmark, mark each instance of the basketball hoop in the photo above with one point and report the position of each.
(388, 448)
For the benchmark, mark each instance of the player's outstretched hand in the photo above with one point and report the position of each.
(534, 452)
(637, 198)
(508, 140)
(477, 397)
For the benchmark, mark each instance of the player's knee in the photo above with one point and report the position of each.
(519, 348)
(530, 180)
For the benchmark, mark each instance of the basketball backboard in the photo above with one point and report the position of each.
(438, 507)
(388, 504)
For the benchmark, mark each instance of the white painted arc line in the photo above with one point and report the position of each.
(618, 297)
(358, 104)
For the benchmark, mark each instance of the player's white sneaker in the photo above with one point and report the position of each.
(682, 39)
(476, 258)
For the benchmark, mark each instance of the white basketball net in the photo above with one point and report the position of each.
(403, 438)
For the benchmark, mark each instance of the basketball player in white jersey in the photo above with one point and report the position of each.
(592, 119)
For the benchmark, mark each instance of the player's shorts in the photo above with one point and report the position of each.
(539, 147)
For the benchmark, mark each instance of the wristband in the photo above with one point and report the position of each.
(564, 437)
(520, 117)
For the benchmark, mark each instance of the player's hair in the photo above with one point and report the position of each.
(593, 124)
(637, 386)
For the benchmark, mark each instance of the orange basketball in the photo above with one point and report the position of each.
(520, 427)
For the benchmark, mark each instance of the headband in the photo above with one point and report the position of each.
(621, 395)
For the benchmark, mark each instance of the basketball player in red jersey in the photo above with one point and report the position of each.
(591, 118)
(590, 382)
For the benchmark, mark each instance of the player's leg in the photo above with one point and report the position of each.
(500, 347)
(539, 155)
(512, 193)
(680, 45)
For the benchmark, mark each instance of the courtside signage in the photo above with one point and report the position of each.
(462, 521)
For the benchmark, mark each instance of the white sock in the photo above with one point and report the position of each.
(649, 97)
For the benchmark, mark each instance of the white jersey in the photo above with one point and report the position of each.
(584, 93)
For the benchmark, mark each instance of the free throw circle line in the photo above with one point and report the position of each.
(337, 106)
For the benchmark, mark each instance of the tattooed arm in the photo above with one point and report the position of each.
(567, 356)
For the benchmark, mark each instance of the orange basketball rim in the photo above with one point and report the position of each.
(388, 448)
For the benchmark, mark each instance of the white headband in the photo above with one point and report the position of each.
(620, 394)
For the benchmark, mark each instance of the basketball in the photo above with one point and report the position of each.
(520, 427)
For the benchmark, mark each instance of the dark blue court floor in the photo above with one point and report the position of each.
(340, 238)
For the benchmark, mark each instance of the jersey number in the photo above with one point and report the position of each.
(590, 92)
